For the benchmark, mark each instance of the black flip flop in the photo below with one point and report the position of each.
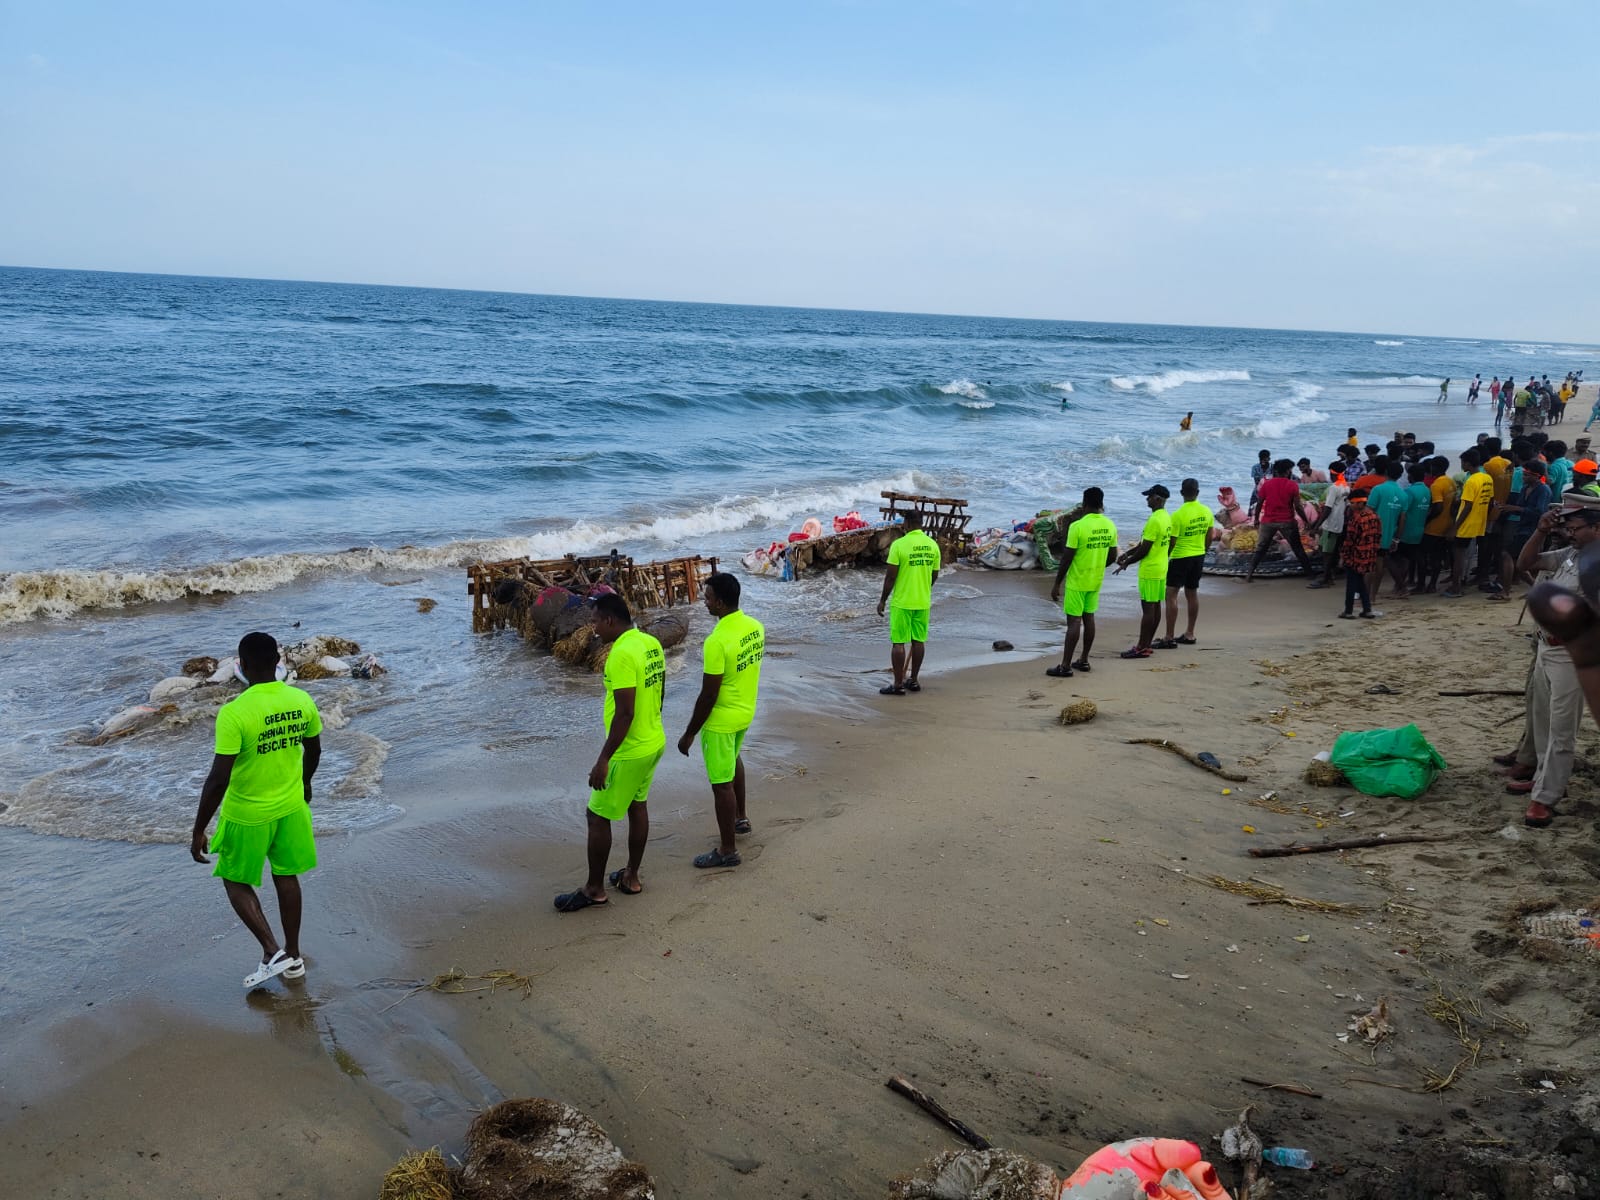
(716, 858)
(1058, 672)
(1185, 640)
(891, 690)
(615, 880)
(913, 686)
(1081, 665)
(577, 901)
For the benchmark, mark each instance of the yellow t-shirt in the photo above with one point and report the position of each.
(734, 650)
(636, 661)
(1090, 536)
(1443, 492)
(1478, 490)
(263, 729)
(1158, 532)
(917, 555)
(1189, 526)
(1499, 470)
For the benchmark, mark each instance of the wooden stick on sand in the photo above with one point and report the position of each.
(1348, 844)
(1233, 776)
(1294, 1088)
(934, 1109)
(1488, 692)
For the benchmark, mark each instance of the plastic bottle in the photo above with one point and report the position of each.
(1283, 1156)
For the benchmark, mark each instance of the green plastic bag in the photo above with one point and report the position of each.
(1388, 762)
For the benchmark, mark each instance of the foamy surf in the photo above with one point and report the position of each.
(32, 595)
(1382, 342)
(1168, 380)
(963, 387)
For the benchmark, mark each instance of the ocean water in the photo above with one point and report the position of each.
(187, 459)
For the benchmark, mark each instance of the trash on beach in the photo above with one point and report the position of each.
(1078, 712)
(1388, 762)
(420, 1175)
(1576, 930)
(1373, 1026)
(524, 1148)
(1248, 828)
(1302, 937)
(974, 1174)
(1206, 761)
(1320, 773)
(201, 665)
(1002, 645)
(131, 720)
(1172, 1167)
(1258, 893)
(425, 604)
(174, 686)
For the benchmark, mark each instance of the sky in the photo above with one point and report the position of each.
(1421, 168)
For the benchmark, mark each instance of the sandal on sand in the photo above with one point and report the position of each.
(1058, 672)
(1136, 652)
(1349, 616)
(891, 690)
(615, 880)
(274, 966)
(577, 901)
(296, 969)
(1185, 640)
(913, 686)
(1081, 665)
(716, 858)
(742, 825)
(1165, 644)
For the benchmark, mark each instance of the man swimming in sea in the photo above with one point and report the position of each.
(267, 746)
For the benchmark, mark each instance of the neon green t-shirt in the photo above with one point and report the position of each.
(1189, 525)
(1158, 532)
(734, 650)
(262, 729)
(1091, 535)
(917, 555)
(635, 661)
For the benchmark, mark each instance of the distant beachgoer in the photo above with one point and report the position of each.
(914, 563)
(1436, 532)
(1310, 474)
(619, 781)
(1329, 523)
(1350, 437)
(267, 747)
(1494, 391)
(1558, 469)
(1261, 471)
(1471, 519)
(1472, 389)
(1359, 552)
(723, 710)
(1280, 517)
(1388, 502)
(1444, 390)
(1091, 547)
(1187, 421)
(1407, 557)
(1193, 528)
(1594, 412)
(1152, 556)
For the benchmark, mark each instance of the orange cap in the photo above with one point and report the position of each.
(1586, 466)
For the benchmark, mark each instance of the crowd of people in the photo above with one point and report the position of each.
(1534, 404)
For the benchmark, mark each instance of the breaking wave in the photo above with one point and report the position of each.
(1064, 386)
(1398, 381)
(1381, 342)
(29, 595)
(964, 387)
(1168, 380)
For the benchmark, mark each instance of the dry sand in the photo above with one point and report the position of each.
(960, 890)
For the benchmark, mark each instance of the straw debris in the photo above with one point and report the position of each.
(1324, 774)
(420, 1175)
(1259, 893)
(456, 982)
(1079, 712)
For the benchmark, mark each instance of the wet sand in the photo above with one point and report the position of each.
(950, 886)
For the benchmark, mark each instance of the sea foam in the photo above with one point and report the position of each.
(1168, 380)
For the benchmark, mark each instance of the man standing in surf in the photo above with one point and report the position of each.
(619, 781)
(914, 563)
(723, 711)
(267, 747)
(1091, 546)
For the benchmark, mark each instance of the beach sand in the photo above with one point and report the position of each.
(957, 889)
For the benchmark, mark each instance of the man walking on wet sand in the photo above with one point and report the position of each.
(1091, 547)
(731, 676)
(619, 781)
(914, 562)
(267, 747)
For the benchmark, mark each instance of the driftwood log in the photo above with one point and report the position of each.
(933, 1108)
(1361, 843)
(1231, 776)
(1489, 692)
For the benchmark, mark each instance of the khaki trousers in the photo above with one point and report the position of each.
(1555, 712)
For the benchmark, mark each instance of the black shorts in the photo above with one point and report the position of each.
(1185, 572)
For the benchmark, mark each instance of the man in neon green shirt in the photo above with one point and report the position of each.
(1193, 527)
(1151, 555)
(1091, 545)
(730, 679)
(267, 747)
(914, 562)
(619, 781)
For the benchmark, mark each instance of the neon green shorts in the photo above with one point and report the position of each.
(287, 842)
(721, 752)
(1153, 591)
(1078, 604)
(627, 784)
(908, 625)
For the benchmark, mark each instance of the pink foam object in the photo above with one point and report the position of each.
(1157, 1167)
